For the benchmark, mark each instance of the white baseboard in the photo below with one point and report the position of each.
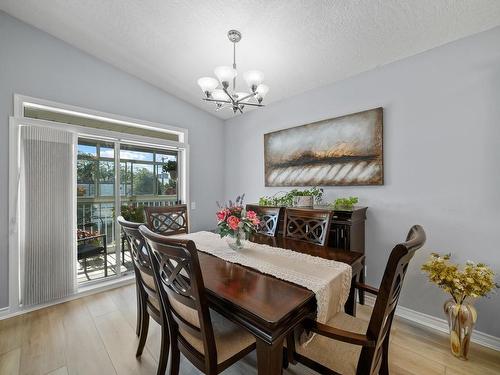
(438, 324)
(7, 312)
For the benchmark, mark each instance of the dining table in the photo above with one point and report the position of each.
(268, 307)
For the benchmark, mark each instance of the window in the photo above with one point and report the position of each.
(148, 172)
(144, 172)
(118, 162)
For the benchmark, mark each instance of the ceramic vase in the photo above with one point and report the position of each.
(461, 319)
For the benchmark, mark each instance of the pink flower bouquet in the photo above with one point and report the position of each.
(237, 223)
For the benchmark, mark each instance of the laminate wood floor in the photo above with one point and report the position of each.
(95, 335)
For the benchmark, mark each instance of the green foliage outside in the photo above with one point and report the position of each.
(133, 213)
(170, 166)
(143, 180)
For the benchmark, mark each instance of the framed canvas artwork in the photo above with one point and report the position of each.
(344, 151)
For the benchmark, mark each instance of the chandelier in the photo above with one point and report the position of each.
(219, 91)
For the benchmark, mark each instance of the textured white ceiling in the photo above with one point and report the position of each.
(299, 45)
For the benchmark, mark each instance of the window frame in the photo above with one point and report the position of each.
(116, 138)
(182, 146)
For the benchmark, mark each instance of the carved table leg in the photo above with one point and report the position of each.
(270, 357)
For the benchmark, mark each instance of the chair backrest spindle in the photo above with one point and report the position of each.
(308, 225)
(168, 220)
(269, 218)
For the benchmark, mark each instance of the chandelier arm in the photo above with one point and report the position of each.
(239, 109)
(252, 104)
(217, 101)
(229, 95)
(222, 107)
(248, 96)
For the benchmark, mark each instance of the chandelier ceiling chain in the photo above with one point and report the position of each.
(219, 92)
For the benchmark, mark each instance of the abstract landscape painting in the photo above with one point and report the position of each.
(346, 150)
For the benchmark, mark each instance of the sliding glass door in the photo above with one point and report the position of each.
(97, 251)
(147, 177)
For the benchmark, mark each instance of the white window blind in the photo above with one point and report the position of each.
(47, 214)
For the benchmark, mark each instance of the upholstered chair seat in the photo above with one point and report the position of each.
(338, 356)
(230, 339)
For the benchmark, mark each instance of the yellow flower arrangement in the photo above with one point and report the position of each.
(474, 280)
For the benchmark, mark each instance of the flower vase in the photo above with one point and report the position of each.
(461, 319)
(237, 239)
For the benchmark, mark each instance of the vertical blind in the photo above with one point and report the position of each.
(47, 214)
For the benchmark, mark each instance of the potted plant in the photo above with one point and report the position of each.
(170, 167)
(236, 223)
(293, 198)
(306, 198)
(133, 213)
(280, 199)
(346, 204)
(464, 284)
(81, 191)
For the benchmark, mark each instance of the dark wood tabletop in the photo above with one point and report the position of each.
(268, 307)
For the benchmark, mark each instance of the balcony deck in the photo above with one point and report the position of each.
(95, 266)
(102, 210)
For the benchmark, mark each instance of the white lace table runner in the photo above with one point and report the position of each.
(328, 279)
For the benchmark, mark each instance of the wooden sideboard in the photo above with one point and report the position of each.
(347, 231)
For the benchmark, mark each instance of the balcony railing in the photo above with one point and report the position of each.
(102, 210)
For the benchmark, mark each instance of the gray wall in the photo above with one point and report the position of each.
(36, 64)
(441, 150)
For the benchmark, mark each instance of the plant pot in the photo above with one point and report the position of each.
(461, 319)
(237, 240)
(343, 208)
(81, 191)
(303, 201)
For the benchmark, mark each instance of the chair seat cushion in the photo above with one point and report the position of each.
(338, 356)
(230, 339)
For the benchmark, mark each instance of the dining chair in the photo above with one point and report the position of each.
(168, 220)
(148, 299)
(308, 225)
(269, 218)
(208, 340)
(349, 345)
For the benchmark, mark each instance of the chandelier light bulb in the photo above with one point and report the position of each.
(225, 74)
(253, 78)
(207, 85)
(261, 91)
